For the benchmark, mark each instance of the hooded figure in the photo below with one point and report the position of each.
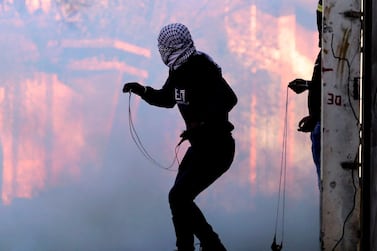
(196, 85)
(175, 45)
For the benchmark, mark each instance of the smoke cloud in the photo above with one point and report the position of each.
(73, 179)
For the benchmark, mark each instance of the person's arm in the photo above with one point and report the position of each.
(163, 97)
(299, 85)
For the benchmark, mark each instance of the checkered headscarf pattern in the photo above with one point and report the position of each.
(175, 44)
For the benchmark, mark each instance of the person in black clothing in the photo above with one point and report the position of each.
(312, 122)
(204, 99)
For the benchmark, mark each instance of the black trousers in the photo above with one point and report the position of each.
(204, 162)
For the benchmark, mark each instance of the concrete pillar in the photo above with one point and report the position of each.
(340, 195)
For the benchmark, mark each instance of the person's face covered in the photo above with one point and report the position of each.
(175, 44)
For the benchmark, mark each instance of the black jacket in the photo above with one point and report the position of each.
(319, 22)
(203, 96)
(314, 95)
(315, 86)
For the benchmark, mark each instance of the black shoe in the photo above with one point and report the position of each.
(184, 249)
(214, 247)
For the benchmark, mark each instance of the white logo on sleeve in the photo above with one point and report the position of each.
(180, 97)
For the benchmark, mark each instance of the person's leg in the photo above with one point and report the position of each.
(180, 203)
(220, 159)
(199, 168)
(209, 239)
(315, 137)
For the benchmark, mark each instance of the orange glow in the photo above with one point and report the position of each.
(264, 42)
(47, 125)
(94, 64)
(46, 128)
(27, 160)
(103, 43)
(34, 5)
(50, 141)
(253, 146)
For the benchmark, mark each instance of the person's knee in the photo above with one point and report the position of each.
(178, 197)
(172, 195)
(175, 195)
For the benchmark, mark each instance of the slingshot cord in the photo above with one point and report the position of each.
(135, 137)
(282, 181)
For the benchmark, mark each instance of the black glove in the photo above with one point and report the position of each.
(135, 88)
(298, 85)
(307, 124)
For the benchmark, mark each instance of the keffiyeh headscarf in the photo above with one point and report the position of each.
(175, 45)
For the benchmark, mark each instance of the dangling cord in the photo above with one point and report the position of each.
(135, 137)
(282, 183)
(353, 207)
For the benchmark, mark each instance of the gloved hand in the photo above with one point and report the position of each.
(298, 85)
(135, 88)
(307, 124)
